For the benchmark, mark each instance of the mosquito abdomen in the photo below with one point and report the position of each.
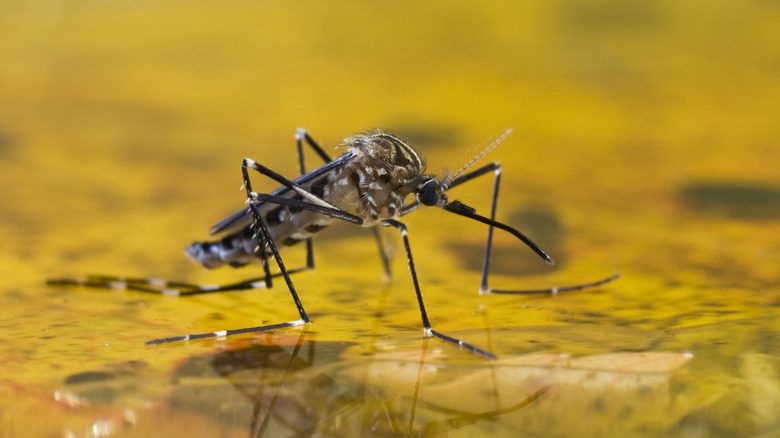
(240, 248)
(236, 250)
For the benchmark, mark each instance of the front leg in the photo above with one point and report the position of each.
(484, 288)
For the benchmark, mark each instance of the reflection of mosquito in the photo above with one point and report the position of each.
(260, 360)
(304, 396)
(367, 185)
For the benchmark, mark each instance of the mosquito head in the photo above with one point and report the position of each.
(430, 192)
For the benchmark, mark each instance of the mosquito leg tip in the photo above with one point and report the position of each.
(485, 354)
(167, 340)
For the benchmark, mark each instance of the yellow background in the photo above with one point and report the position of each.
(645, 142)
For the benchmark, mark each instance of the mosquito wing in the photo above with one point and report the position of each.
(243, 217)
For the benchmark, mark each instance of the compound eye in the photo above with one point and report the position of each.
(428, 194)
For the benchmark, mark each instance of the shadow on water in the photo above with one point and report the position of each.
(7, 142)
(102, 387)
(746, 201)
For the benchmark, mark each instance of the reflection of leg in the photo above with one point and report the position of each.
(463, 419)
(429, 331)
(260, 431)
(416, 395)
(383, 254)
(489, 343)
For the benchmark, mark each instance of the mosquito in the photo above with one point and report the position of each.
(368, 185)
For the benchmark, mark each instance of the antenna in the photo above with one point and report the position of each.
(479, 156)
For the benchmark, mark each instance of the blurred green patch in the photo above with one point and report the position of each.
(747, 201)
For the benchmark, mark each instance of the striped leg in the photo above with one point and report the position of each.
(484, 288)
(302, 136)
(159, 286)
(427, 329)
(556, 289)
(264, 237)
